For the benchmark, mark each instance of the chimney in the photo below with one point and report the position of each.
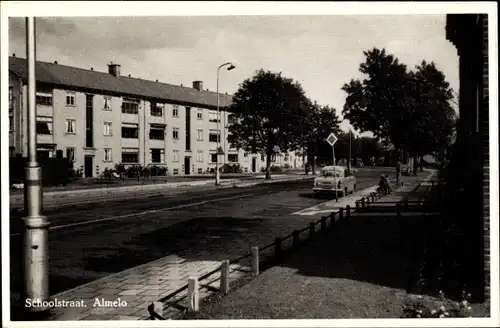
(198, 85)
(13, 55)
(114, 69)
(91, 68)
(55, 62)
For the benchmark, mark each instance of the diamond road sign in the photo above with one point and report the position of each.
(332, 139)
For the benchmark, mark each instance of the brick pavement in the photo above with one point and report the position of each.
(202, 252)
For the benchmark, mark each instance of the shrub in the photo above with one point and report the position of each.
(444, 309)
(232, 168)
(74, 174)
(133, 171)
(108, 173)
(156, 171)
(272, 168)
(275, 169)
(120, 168)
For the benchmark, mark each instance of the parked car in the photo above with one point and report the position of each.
(336, 179)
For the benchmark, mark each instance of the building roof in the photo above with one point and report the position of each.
(94, 81)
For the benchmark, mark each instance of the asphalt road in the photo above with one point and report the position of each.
(90, 241)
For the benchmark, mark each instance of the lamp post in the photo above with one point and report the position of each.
(217, 173)
(36, 226)
(349, 164)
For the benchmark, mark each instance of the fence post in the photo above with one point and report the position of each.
(373, 197)
(323, 223)
(224, 277)
(348, 212)
(332, 220)
(255, 260)
(341, 214)
(296, 238)
(311, 229)
(277, 248)
(193, 295)
(363, 202)
(156, 311)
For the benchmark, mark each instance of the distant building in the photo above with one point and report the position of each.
(101, 119)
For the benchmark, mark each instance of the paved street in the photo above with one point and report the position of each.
(55, 200)
(91, 242)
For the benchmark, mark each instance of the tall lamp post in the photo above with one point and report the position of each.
(217, 173)
(349, 164)
(36, 226)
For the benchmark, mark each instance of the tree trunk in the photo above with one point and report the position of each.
(305, 160)
(313, 164)
(268, 166)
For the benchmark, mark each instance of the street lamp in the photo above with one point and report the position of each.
(36, 226)
(217, 173)
(349, 164)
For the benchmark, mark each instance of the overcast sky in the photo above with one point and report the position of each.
(322, 52)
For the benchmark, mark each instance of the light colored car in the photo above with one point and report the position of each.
(335, 179)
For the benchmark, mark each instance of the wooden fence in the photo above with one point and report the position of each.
(278, 248)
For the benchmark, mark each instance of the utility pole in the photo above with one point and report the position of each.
(349, 164)
(36, 226)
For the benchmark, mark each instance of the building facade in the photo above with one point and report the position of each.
(102, 119)
(469, 34)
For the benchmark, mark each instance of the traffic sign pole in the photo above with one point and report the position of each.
(332, 139)
(335, 174)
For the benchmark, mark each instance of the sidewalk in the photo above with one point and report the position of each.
(18, 199)
(96, 183)
(360, 270)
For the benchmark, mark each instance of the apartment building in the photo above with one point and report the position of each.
(100, 119)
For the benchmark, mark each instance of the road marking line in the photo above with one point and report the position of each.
(141, 213)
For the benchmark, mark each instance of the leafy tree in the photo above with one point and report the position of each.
(315, 128)
(433, 119)
(407, 109)
(269, 110)
(378, 103)
(370, 148)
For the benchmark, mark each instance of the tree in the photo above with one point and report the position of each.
(433, 119)
(378, 103)
(315, 128)
(268, 110)
(407, 109)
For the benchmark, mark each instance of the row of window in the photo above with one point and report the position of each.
(157, 155)
(129, 105)
(128, 130)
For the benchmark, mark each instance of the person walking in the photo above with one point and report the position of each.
(388, 185)
(398, 172)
